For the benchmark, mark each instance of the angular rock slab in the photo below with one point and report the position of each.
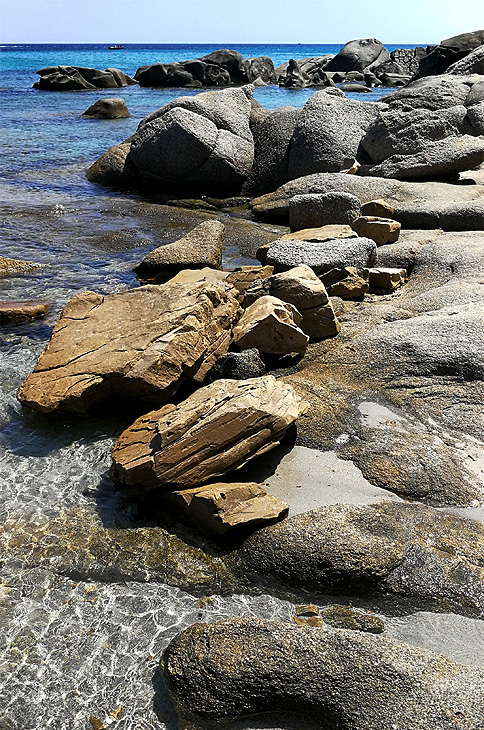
(271, 326)
(380, 230)
(347, 283)
(141, 343)
(244, 666)
(324, 256)
(215, 430)
(201, 247)
(221, 508)
(22, 311)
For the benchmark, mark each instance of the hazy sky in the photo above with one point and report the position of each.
(235, 21)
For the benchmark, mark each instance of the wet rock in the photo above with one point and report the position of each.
(347, 282)
(114, 168)
(221, 508)
(215, 430)
(301, 288)
(14, 267)
(355, 89)
(238, 365)
(403, 548)
(137, 344)
(345, 617)
(328, 134)
(387, 279)
(24, 311)
(338, 678)
(380, 230)
(271, 326)
(307, 616)
(313, 210)
(201, 247)
(323, 256)
(107, 109)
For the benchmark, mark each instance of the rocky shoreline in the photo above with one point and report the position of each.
(359, 335)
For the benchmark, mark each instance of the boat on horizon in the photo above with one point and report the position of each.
(120, 47)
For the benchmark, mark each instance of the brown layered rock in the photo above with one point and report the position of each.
(387, 279)
(26, 311)
(380, 230)
(137, 344)
(201, 247)
(300, 287)
(13, 267)
(221, 508)
(272, 326)
(347, 283)
(215, 430)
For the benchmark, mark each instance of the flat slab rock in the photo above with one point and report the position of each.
(26, 311)
(141, 343)
(237, 667)
(221, 508)
(322, 256)
(215, 430)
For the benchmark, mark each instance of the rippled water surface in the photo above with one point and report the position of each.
(70, 650)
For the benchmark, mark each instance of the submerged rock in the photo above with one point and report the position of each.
(107, 109)
(14, 267)
(217, 429)
(138, 344)
(25, 311)
(236, 667)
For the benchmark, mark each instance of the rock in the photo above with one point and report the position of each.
(25, 311)
(313, 210)
(242, 277)
(387, 279)
(359, 55)
(220, 509)
(271, 326)
(380, 230)
(324, 256)
(324, 675)
(471, 64)
(449, 52)
(398, 547)
(111, 108)
(476, 94)
(137, 344)
(200, 143)
(378, 208)
(215, 430)
(260, 68)
(403, 61)
(115, 168)
(416, 204)
(14, 267)
(307, 616)
(201, 247)
(73, 78)
(432, 93)
(324, 233)
(328, 133)
(475, 114)
(301, 288)
(347, 282)
(190, 276)
(345, 617)
(272, 139)
(238, 366)
(294, 77)
(355, 89)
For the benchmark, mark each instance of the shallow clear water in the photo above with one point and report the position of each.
(69, 650)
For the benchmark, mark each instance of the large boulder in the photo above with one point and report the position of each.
(272, 140)
(271, 326)
(294, 77)
(471, 64)
(322, 256)
(112, 108)
(215, 430)
(202, 143)
(320, 677)
(436, 92)
(449, 52)
(359, 55)
(201, 247)
(316, 211)
(328, 133)
(76, 78)
(115, 168)
(137, 344)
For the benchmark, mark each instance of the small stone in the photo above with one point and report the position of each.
(380, 208)
(107, 109)
(347, 283)
(387, 279)
(317, 235)
(242, 277)
(272, 326)
(380, 230)
(16, 312)
(238, 366)
(345, 617)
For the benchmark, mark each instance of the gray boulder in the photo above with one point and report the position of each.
(112, 108)
(260, 67)
(322, 256)
(450, 51)
(328, 134)
(436, 92)
(359, 55)
(238, 366)
(272, 141)
(222, 671)
(476, 94)
(115, 168)
(75, 78)
(294, 77)
(475, 115)
(471, 64)
(315, 211)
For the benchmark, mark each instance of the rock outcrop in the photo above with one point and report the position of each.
(24, 311)
(112, 108)
(215, 430)
(79, 78)
(14, 267)
(138, 344)
(450, 51)
(359, 55)
(201, 247)
(247, 666)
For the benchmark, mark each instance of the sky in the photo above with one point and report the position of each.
(236, 21)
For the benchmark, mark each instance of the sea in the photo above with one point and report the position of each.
(73, 650)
